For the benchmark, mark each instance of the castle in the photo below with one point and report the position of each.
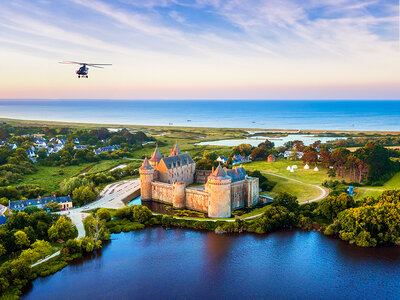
(167, 179)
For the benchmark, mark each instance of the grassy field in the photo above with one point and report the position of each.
(50, 177)
(279, 168)
(303, 180)
(302, 191)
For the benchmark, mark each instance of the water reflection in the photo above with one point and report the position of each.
(179, 264)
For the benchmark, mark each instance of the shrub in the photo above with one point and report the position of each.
(104, 214)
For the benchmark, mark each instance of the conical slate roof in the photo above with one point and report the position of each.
(156, 157)
(219, 174)
(146, 165)
(175, 150)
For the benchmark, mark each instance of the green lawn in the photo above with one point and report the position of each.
(302, 191)
(279, 167)
(50, 177)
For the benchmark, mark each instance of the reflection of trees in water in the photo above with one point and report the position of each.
(158, 207)
(94, 258)
(161, 235)
(388, 254)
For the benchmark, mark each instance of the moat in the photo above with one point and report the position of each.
(179, 264)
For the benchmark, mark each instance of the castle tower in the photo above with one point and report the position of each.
(175, 150)
(146, 172)
(219, 187)
(155, 158)
(179, 200)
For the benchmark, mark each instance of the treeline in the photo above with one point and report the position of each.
(24, 239)
(369, 223)
(14, 164)
(371, 164)
(362, 141)
(94, 137)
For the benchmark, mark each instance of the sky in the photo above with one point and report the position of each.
(201, 49)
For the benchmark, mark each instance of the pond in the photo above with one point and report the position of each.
(180, 264)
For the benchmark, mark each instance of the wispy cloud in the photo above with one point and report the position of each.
(204, 43)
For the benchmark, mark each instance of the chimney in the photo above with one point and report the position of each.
(212, 169)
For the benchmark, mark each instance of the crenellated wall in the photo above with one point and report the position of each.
(197, 200)
(217, 199)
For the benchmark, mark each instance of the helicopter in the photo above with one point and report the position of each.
(83, 69)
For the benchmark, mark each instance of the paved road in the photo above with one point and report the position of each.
(110, 197)
(46, 259)
(324, 191)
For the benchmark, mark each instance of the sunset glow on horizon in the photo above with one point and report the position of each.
(201, 49)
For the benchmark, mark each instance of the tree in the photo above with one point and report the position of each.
(83, 195)
(339, 158)
(286, 200)
(104, 214)
(41, 247)
(68, 185)
(141, 213)
(62, 229)
(294, 156)
(331, 206)
(53, 206)
(273, 218)
(21, 239)
(242, 149)
(326, 157)
(96, 228)
(331, 173)
(2, 250)
(310, 156)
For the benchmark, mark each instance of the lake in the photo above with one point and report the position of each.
(278, 141)
(180, 264)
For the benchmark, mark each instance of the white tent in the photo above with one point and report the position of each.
(306, 167)
(294, 167)
(316, 169)
(288, 168)
(291, 170)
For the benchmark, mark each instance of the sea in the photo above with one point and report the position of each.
(294, 114)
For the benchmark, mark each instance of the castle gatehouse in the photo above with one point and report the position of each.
(167, 179)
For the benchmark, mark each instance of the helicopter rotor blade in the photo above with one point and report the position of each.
(71, 62)
(94, 65)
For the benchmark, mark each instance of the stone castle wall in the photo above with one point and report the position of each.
(239, 194)
(162, 192)
(197, 200)
(202, 175)
(253, 191)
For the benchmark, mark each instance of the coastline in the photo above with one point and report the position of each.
(38, 123)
